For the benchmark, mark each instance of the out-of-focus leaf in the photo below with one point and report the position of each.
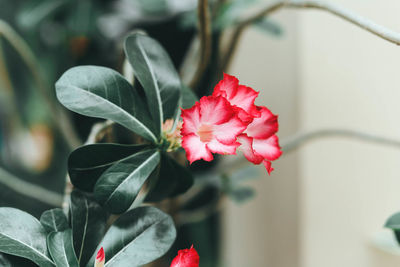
(4, 262)
(88, 221)
(61, 248)
(157, 75)
(103, 93)
(244, 174)
(138, 237)
(230, 12)
(269, 26)
(36, 11)
(87, 163)
(174, 179)
(22, 235)
(242, 194)
(54, 220)
(393, 222)
(119, 185)
(188, 97)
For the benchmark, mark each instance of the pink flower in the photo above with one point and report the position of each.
(210, 126)
(186, 258)
(100, 258)
(239, 96)
(259, 142)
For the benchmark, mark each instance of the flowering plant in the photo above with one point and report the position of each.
(107, 225)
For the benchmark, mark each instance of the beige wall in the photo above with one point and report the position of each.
(324, 203)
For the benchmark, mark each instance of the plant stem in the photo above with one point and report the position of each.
(204, 18)
(295, 142)
(59, 118)
(30, 190)
(334, 9)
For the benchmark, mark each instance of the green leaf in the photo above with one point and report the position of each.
(87, 163)
(157, 75)
(242, 194)
(22, 235)
(119, 185)
(138, 237)
(393, 222)
(269, 26)
(61, 249)
(54, 220)
(174, 179)
(88, 221)
(4, 262)
(103, 93)
(36, 11)
(188, 97)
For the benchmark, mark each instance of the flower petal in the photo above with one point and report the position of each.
(195, 149)
(247, 149)
(215, 110)
(264, 126)
(217, 147)
(227, 132)
(244, 98)
(267, 165)
(227, 86)
(267, 148)
(186, 258)
(191, 119)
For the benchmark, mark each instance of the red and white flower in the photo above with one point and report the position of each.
(210, 126)
(259, 142)
(239, 96)
(100, 258)
(229, 119)
(186, 258)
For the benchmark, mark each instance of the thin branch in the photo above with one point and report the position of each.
(334, 9)
(295, 142)
(204, 18)
(60, 120)
(30, 190)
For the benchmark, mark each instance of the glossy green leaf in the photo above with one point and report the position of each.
(88, 221)
(174, 179)
(138, 237)
(103, 93)
(22, 235)
(119, 185)
(87, 163)
(157, 75)
(61, 248)
(393, 222)
(4, 262)
(54, 220)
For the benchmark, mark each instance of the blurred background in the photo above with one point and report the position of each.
(327, 200)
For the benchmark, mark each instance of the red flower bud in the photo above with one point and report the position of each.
(186, 258)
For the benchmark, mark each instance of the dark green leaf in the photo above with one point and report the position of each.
(393, 222)
(188, 97)
(4, 262)
(103, 93)
(87, 163)
(174, 179)
(269, 26)
(35, 11)
(54, 220)
(119, 185)
(138, 237)
(156, 73)
(22, 235)
(61, 249)
(88, 221)
(242, 194)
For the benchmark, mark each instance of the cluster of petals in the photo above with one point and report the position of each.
(227, 120)
(186, 258)
(100, 258)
